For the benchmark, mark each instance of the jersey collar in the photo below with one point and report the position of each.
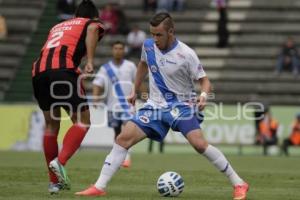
(174, 44)
(115, 65)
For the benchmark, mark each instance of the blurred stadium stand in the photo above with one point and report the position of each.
(240, 73)
(22, 19)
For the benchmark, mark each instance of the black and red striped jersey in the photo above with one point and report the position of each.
(65, 46)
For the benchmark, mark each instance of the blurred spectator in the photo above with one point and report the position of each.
(267, 130)
(178, 5)
(122, 26)
(170, 5)
(161, 146)
(164, 5)
(288, 58)
(222, 31)
(66, 9)
(150, 5)
(259, 111)
(3, 28)
(294, 138)
(135, 40)
(110, 18)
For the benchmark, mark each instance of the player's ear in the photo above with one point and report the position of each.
(171, 31)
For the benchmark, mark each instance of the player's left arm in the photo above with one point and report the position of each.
(197, 73)
(141, 72)
(91, 40)
(205, 90)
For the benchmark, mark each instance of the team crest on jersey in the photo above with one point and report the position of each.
(200, 67)
(175, 112)
(148, 113)
(153, 68)
(162, 62)
(144, 119)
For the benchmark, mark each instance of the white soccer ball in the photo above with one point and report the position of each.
(170, 184)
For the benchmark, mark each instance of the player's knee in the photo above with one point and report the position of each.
(87, 122)
(82, 118)
(200, 146)
(52, 127)
(124, 141)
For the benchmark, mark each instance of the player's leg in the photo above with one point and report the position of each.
(117, 131)
(127, 161)
(161, 146)
(41, 88)
(130, 135)
(280, 64)
(74, 135)
(150, 147)
(50, 145)
(115, 121)
(269, 142)
(285, 145)
(75, 104)
(71, 143)
(217, 158)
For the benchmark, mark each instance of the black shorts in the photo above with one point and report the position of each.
(54, 89)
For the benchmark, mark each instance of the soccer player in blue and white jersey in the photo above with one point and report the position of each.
(114, 82)
(172, 67)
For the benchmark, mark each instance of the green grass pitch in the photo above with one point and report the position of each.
(23, 176)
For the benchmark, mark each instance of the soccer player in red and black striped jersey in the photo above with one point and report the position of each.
(56, 83)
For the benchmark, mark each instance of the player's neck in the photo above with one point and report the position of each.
(171, 42)
(117, 62)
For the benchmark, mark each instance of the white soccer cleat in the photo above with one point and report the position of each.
(54, 188)
(61, 173)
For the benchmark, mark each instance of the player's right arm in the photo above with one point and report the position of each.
(91, 44)
(142, 71)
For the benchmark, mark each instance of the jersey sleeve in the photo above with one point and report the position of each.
(100, 78)
(100, 28)
(143, 54)
(195, 67)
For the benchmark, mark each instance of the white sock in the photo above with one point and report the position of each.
(217, 158)
(128, 155)
(111, 165)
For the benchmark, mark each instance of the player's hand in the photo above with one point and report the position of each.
(131, 99)
(96, 103)
(95, 106)
(88, 68)
(201, 103)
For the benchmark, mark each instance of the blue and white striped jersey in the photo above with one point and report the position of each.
(171, 73)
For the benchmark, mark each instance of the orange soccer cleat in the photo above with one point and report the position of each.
(240, 191)
(126, 163)
(92, 191)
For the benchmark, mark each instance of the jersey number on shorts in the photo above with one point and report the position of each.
(54, 41)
